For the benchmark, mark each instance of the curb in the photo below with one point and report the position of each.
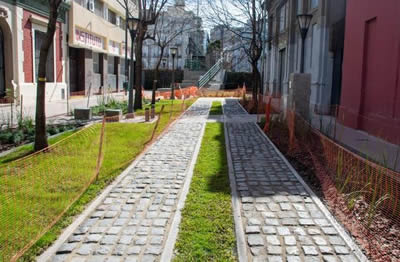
(239, 231)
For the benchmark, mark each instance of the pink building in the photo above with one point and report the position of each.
(370, 99)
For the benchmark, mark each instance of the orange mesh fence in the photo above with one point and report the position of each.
(37, 190)
(365, 193)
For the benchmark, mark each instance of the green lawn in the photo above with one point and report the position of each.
(207, 229)
(34, 191)
(216, 108)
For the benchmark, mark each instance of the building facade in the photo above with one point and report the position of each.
(190, 42)
(370, 99)
(236, 59)
(96, 46)
(323, 49)
(23, 25)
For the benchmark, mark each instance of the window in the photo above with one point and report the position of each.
(98, 8)
(112, 17)
(80, 2)
(122, 66)
(111, 65)
(96, 63)
(122, 24)
(39, 38)
(283, 17)
(300, 7)
(314, 4)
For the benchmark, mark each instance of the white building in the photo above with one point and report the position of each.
(190, 44)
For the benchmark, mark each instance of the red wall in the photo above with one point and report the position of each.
(28, 48)
(371, 68)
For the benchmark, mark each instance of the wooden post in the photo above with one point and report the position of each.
(147, 114)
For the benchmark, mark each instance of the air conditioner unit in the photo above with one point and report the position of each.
(91, 5)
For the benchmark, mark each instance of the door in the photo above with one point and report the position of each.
(2, 67)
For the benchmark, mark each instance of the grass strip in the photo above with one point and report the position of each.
(216, 108)
(123, 142)
(207, 229)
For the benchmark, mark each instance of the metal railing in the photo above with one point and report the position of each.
(206, 78)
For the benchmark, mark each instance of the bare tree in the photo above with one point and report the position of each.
(246, 20)
(40, 117)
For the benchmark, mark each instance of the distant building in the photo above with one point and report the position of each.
(234, 47)
(23, 25)
(190, 43)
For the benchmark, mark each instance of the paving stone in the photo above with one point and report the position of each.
(252, 229)
(274, 259)
(255, 240)
(273, 240)
(335, 240)
(310, 250)
(326, 250)
(270, 230)
(293, 259)
(341, 250)
(292, 251)
(330, 259)
(66, 248)
(85, 249)
(290, 240)
(102, 250)
(274, 250)
(283, 231)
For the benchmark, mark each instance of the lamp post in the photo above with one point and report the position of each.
(173, 51)
(304, 21)
(132, 24)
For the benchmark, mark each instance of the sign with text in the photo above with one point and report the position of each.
(88, 39)
(114, 48)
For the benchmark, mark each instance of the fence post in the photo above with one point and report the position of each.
(267, 115)
(100, 155)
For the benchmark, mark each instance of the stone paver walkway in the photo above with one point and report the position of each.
(133, 221)
(281, 219)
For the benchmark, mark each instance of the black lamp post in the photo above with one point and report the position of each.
(173, 51)
(164, 61)
(132, 25)
(304, 21)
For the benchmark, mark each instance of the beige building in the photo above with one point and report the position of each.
(97, 46)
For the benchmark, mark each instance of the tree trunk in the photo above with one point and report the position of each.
(40, 117)
(157, 69)
(256, 84)
(139, 66)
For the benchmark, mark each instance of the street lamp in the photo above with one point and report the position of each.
(132, 25)
(304, 21)
(173, 51)
(164, 61)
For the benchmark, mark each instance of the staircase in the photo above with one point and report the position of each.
(190, 78)
(211, 77)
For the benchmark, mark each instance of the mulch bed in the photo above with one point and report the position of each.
(381, 241)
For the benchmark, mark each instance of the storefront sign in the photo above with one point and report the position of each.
(88, 39)
(114, 48)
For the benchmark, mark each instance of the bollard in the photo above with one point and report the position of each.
(153, 112)
(147, 115)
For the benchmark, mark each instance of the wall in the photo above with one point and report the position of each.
(371, 71)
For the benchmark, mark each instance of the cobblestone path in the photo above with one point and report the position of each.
(134, 220)
(281, 219)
